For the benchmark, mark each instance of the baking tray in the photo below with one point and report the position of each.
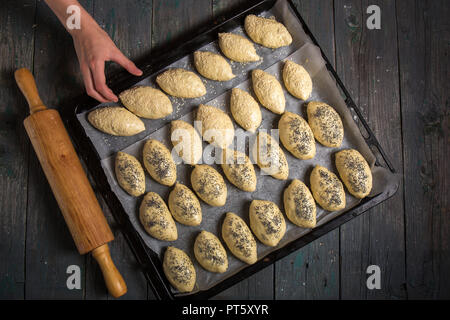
(98, 149)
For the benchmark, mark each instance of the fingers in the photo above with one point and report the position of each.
(126, 63)
(89, 84)
(94, 76)
(98, 75)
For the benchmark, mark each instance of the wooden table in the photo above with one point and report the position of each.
(399, 77)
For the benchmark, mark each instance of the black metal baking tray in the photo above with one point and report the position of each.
(147, 258)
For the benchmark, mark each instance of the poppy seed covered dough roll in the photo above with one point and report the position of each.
(179, 269)
(156, 218)
(130, 174)
(239, 170)
(299, 205)
(184, 205)
(354, 172)
(296, 136)
(209, 185)
(239, 238)
(269, 156)
(210, 252)
(327, 189)
(159, 163)
(267, 222)
(325, 123)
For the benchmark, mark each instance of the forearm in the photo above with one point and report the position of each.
(59, 8)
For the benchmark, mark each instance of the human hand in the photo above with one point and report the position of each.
(93, 47)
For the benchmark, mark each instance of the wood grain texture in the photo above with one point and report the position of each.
(256, 287)
(222, 6)
(69, 183)
(172, 19)
(129, 24)
(14, 145)
(49, 246)
(313, 271)
(423, 37)
(367, 62)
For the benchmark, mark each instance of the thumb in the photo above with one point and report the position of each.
(120, 58)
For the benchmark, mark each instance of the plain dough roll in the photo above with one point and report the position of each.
(237, 48)
(186, 141)
(245, 110)
(217, 127)
(297, 80)
(269, 91)
(212, 66)
(267, 32)
(354, 172)
(181, 83)
(146, 102)
(116, 121)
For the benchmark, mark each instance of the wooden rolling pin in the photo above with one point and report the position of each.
(69, 182)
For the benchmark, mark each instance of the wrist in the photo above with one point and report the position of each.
(87, 25)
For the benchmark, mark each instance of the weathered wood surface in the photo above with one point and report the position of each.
(14, 146)
(398, 76)
(367, 62)
(423, 40)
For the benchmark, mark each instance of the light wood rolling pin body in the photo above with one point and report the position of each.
(69, 182)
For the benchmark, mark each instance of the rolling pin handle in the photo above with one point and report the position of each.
(113, 279)
(27, 85)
